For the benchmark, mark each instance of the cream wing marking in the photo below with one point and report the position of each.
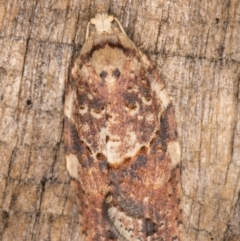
(73, 165)
(174, 151)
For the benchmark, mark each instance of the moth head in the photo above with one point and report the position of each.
(103, 22)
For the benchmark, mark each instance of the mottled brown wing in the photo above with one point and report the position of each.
(84, 119)
(121, 144)
(145, 195)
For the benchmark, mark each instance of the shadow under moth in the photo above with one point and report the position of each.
(121, 141)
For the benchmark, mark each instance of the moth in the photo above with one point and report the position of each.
(122, 149)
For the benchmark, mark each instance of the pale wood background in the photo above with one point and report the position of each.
(195, 45)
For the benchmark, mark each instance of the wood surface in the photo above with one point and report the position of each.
(195, 46)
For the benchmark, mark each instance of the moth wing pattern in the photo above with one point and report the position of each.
(121, 141)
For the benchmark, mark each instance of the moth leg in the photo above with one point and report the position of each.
(87, 31)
